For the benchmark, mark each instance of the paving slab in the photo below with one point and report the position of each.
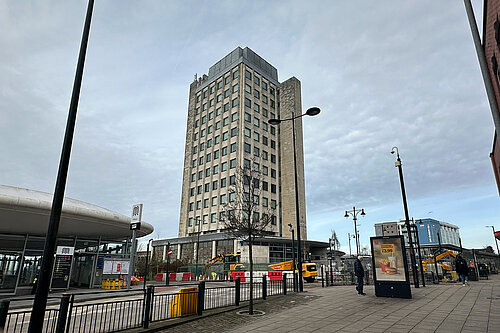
(447, 307)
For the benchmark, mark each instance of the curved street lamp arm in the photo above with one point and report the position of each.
(397, 151)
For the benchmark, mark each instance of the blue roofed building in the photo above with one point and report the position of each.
(428, 231)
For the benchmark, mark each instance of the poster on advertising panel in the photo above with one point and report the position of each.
(107, 267)
(389, 259)
(120, 267)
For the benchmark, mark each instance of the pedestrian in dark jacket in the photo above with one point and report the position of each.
(360, 274)
(462, 269)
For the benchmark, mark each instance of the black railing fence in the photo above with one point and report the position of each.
(18, 321)
(138, 309)
(245, 291)
(345, 278)
(105, 317)
(219, 297)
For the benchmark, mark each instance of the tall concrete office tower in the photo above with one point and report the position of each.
(227, 127)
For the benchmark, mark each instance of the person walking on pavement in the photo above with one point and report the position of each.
(360, 274)
(462, 269)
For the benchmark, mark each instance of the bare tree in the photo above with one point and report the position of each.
(245, 217)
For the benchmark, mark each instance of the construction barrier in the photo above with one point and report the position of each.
(275, 275)
(175, 277)
(184, 302)
(236, 274)
(187, 277)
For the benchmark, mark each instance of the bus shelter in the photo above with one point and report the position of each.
(90, 237)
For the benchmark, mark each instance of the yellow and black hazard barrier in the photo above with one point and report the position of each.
(112, 284)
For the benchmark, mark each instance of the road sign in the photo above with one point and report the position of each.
(170, 252)
(135, 226)
(137, 213)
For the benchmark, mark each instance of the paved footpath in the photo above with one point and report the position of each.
(447, 307)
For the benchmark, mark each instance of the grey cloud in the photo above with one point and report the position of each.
(383, 73)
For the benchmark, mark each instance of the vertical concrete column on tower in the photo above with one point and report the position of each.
(214, 249)
(188, 156)
(290, 105)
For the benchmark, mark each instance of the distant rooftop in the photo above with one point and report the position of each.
(239, 55)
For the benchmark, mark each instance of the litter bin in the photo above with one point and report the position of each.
(483, 271)
(472, 274)
(184, 302)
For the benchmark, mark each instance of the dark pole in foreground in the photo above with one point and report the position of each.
(40, 301)
(407, 218)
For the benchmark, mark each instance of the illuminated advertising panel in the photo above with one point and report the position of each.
(390, 268)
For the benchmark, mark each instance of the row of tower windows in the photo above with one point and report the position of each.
(222, 217)
(222, 200)
(227, 81)
(218, 111)
(232, 164)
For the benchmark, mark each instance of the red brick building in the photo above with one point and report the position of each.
(491, 46)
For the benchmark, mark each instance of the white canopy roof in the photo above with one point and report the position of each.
(24, 211)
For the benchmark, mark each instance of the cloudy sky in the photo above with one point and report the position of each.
(384, 74)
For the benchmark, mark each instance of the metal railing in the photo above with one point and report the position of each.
(106, 317)
(18, 321)
(276, 287)
(219, 297)
(245, 291)
(138, 310)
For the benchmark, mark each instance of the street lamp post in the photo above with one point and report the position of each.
(146, 268)
(407, 217)
(496, 241)
(420, 265)
(331, 260)
(293, 259)
(167, 279)
(313, 111)
(354, 214)
(42, 291)
(197, 248)
(349, 236)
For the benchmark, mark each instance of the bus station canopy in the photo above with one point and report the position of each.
(27, 212)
